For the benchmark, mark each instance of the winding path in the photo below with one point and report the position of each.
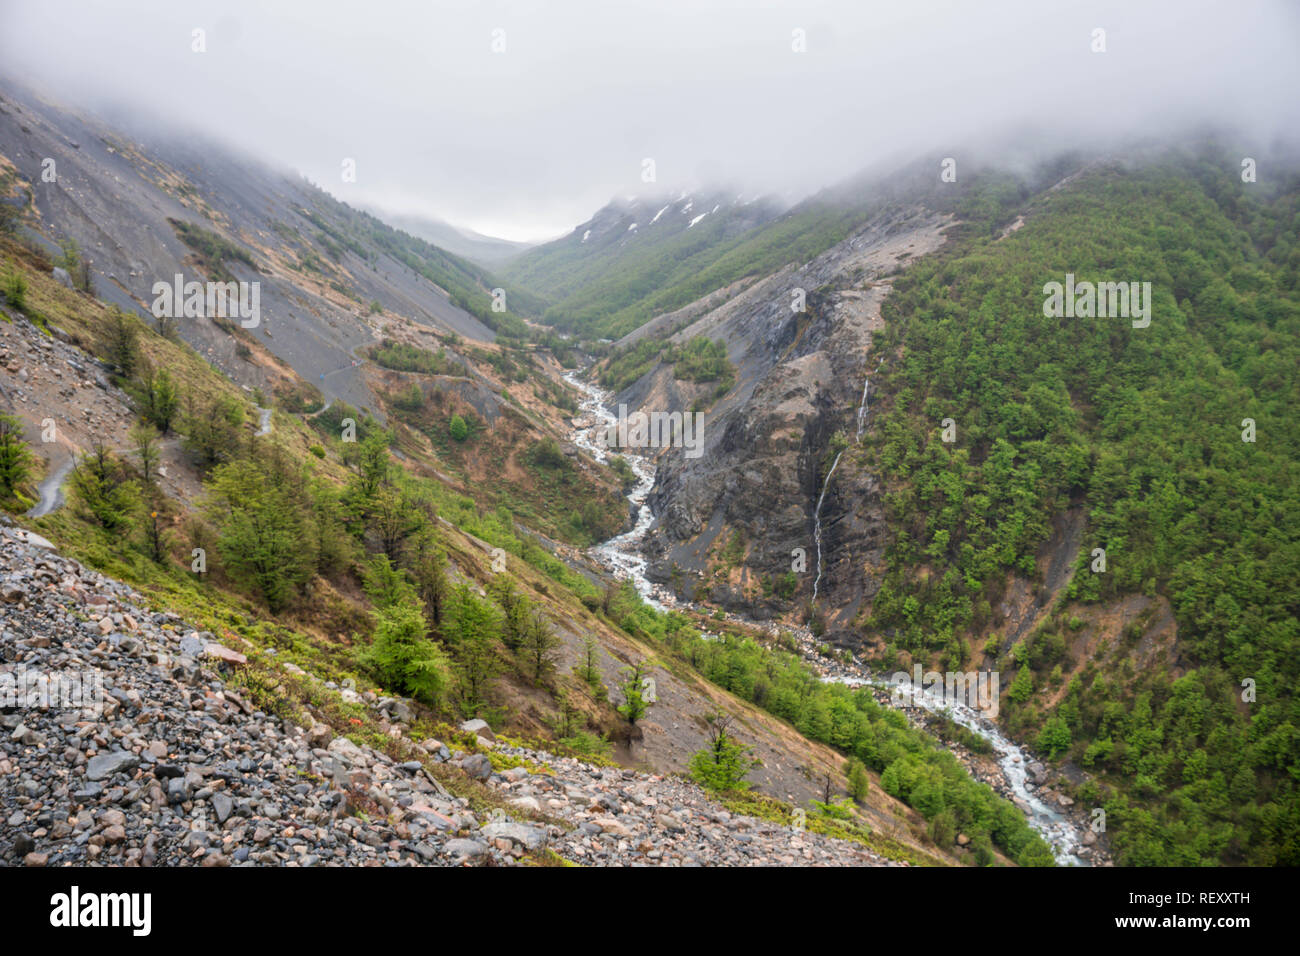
(50, 490)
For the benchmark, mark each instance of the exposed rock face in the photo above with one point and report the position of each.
(767, 443)
(120, 213)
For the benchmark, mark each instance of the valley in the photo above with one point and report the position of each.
(622, 556)
(380, 536)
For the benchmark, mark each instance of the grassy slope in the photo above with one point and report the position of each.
(613, 292)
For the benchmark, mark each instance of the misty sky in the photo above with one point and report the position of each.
(528, 142)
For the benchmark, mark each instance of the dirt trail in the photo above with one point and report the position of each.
(51, 488)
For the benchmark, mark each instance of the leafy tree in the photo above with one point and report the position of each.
(15, 456)
(102, 490)
(212, 428)
(943, 829)
(859, 782)
(159, 396)
(565, 722)
(634, 704)
(144, 438)
(386, 585)
(404, 659)
(394, 517)
(700, 360)
(14, 287)
(547, 454)
(1036, 854)
(122, 341)
(472, 630)
(429, 568)
(1054, 737)
(410, 400)
(78, 266)
(514, 611)
(334, 548)
(587, 668)
(722, 764)
(459, 429)
(373, 467)
(263, 531)
(539, 645)
(1022, 688)
(10, 216)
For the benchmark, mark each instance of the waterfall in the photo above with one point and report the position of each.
(817, 515)
(817, 524)
(862, 408)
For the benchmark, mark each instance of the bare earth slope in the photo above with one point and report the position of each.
(115, 198)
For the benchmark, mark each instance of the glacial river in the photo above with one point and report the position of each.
(622, 556)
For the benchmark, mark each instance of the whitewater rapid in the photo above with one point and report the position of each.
(621, 554)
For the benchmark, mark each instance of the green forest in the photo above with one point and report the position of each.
(1176, 442)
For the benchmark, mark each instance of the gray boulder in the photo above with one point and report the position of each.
(530, 838)
(479, 728)
(222, 806)
(465, 848)
(105, 765)
(477, 766)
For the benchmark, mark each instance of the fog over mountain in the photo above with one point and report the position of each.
(525, 140)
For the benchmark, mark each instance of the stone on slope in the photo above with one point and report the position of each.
(105, 765)
(479, 728)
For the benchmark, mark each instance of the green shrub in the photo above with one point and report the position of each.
(404, 659)
(15, 457)
(458, 428)
(721, 765)
(15, 290)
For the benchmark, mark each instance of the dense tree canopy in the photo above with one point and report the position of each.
(1148, 432)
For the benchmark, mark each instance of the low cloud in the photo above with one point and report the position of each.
(527, 140)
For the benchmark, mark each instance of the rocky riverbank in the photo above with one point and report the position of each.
(1008, 768)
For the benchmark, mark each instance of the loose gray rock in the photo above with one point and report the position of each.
(102, 766)
(531, 838)
(465, 848)
(222, 806)
(479, 728)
